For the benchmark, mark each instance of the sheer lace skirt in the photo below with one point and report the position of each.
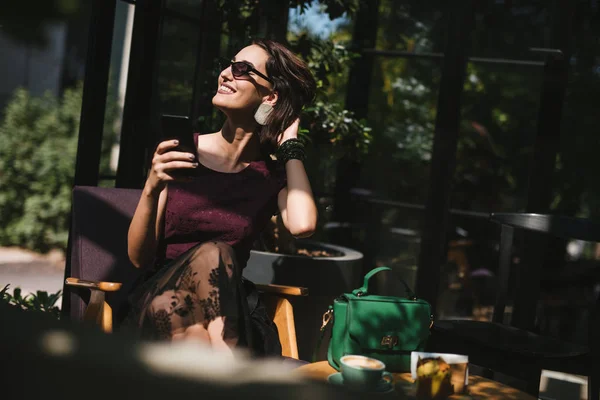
(188, 293)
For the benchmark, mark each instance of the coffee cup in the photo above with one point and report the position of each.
(364, 373)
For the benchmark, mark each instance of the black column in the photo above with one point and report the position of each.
(541, 173)
(95, 86)
(459, 16)
(91, 126)
(357, 100)
(140, 118)
(363, 37)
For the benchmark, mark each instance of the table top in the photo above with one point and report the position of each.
(479, 387)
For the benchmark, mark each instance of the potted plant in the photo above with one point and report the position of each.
(327, 270)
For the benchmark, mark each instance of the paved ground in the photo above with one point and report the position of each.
(31, 271)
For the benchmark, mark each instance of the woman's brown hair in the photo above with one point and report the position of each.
(295, 87)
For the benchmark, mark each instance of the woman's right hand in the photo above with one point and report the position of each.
(164, 162)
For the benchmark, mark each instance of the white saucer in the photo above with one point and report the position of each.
(382, 387)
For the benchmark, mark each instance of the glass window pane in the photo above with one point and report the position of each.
(177, 60)
(510, 28)
(500, 105)
(402, 108)
(190, 8)
(411, 25)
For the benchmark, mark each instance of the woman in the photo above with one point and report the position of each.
(197, 231)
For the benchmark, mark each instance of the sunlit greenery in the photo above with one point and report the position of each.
(38, 145)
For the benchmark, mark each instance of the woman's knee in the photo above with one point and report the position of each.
(163, 303)
(159, 314)
(174, 310)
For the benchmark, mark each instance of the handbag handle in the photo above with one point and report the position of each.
(364, 290)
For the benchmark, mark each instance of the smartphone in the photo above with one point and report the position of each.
(179, 127)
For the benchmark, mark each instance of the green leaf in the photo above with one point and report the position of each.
(3, 292)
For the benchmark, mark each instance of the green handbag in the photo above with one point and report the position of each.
(383, 327)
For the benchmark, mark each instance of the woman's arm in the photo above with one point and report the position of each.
(145, 227)
(296, 202)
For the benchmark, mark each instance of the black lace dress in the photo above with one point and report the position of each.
(210, 226)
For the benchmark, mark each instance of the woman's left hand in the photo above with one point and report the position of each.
(291, 132)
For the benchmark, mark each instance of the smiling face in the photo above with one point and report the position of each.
(242, 95)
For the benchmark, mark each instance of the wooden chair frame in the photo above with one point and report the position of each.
(276, 298)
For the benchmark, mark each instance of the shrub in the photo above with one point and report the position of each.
(38, 146)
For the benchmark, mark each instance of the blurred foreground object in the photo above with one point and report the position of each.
(51, 357)
(433, 379)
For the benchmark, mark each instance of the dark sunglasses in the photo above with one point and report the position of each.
(241, 68)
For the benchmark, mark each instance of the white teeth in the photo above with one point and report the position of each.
(225, 89)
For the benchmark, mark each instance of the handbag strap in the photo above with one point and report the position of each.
(364, 289)
(246, 311)
(326, 318)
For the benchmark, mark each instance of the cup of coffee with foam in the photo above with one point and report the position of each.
(364, 373)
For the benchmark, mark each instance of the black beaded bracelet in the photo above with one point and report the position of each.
(291, 149)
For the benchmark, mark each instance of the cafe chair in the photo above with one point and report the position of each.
(99, 275)
(512, 347)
